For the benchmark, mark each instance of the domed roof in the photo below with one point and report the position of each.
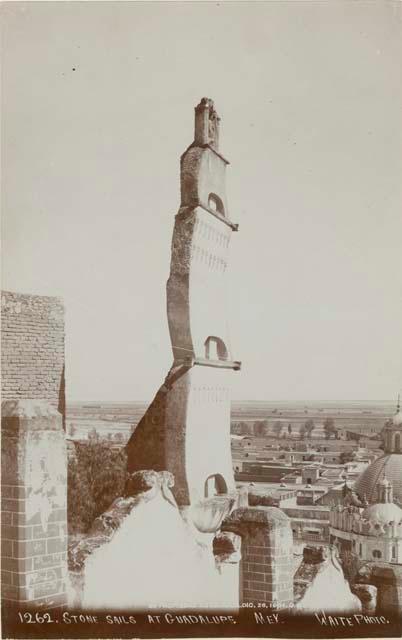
(388, 466)
(383, 513)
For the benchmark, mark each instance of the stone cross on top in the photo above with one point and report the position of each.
(206, 131)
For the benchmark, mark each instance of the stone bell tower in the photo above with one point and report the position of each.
(186, 429)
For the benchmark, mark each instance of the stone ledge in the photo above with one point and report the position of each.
(196, 146)
(259, 515)
(233, 225)
(32, 408)
(187, 209)
(217, 364)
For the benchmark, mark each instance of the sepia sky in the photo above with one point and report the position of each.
(98, 103)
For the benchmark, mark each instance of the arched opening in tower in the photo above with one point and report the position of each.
(215, 485)
(215, 349)
(216, 204)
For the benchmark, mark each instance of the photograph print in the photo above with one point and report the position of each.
(201, 319)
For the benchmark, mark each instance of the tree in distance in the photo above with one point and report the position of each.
(309, 427)
(277, 428)
(329, 427)
(261, 428)
(93, 435)
(347, 456)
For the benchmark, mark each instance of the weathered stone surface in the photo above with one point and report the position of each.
(110, 540)
(28, 409)
(226, 542)
(206, 124)
(315, 555)
(149, 446)
(387, 578)
(34, 484)
(32, 348)
(33, 455)
(269, 517)
(367, 595)
(267, 555)
(208, 514)
(141, 486)
(141, 481)
(319, 583)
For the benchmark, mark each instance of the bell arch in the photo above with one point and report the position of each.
(215, 349)
(215, 203)
(215, 485)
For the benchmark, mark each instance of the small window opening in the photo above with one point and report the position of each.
(216, 204)
(215, 485)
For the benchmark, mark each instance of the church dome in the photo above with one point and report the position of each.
(388, 466)
(383, 513)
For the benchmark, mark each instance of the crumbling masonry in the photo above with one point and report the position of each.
(33, 452)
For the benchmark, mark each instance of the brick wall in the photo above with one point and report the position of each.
(32, 348)
(33, 453)
(33, 504)
(266, 568)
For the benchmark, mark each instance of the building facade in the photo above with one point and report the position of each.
(372, 533)
(367, 526)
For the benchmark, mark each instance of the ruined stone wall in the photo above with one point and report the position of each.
(32, 348)
(33, 452)
(320, 584)
(34, 499)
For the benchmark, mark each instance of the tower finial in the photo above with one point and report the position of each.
(206, 124)
(398, 403)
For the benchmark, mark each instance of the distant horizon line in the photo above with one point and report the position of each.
(302, 402)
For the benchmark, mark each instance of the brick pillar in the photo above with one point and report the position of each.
(266, 568)
(34, 501)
